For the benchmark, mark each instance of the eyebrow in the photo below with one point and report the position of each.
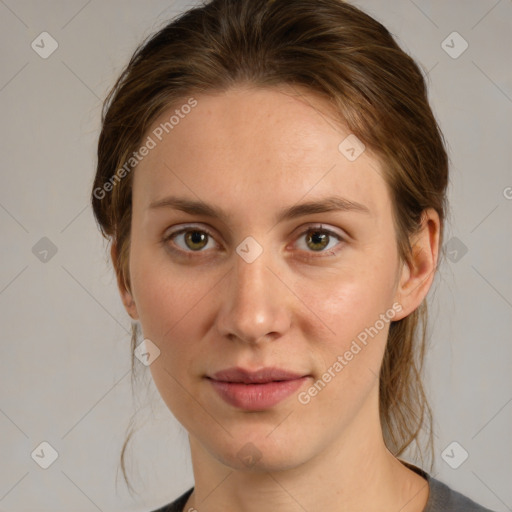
(328, 204)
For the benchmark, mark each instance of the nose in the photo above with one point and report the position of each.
(255, 304)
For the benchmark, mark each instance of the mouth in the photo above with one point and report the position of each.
(256, 391)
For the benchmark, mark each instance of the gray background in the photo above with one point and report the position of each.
(65, 344)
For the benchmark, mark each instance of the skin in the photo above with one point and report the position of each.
(251, 152)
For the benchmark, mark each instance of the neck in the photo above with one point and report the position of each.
(355, 472)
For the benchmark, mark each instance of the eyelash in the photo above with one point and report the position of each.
(312, 229)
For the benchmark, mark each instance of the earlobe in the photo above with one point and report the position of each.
(126, 296)
(418, 274)
(129, 304)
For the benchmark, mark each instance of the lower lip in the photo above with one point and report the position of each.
(256, 397)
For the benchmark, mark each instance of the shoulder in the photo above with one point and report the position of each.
(178, 504)
(444, 499)
(441, 499)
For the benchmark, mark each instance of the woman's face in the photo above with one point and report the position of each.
(247, 308)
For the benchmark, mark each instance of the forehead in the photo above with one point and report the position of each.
(236, 119)
(256, 144)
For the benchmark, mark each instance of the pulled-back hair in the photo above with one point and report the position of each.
(374, 88)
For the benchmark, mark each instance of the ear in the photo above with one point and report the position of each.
(417, 275)
(126, 295)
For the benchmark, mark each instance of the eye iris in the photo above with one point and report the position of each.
(195, 237)
(317, 237)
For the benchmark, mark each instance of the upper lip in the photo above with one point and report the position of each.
(262, 376)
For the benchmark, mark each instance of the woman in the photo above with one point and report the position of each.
(273, 182)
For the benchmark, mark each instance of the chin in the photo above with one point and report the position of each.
(261, 453)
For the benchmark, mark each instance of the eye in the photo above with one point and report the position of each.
(320, 240)
(190, 239)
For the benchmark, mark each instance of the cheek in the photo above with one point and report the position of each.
(167, 296)
(354, 311)
(169, 307)
(350, 299)
(348, 360)
(172, 311)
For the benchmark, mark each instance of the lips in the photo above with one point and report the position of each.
(239, 375)
(255, 391)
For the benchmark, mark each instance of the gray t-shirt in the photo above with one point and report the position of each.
(441, 498)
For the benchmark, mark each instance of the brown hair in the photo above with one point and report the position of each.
(331, 48)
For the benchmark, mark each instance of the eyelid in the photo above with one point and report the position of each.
(321, 227)
(187, 227)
